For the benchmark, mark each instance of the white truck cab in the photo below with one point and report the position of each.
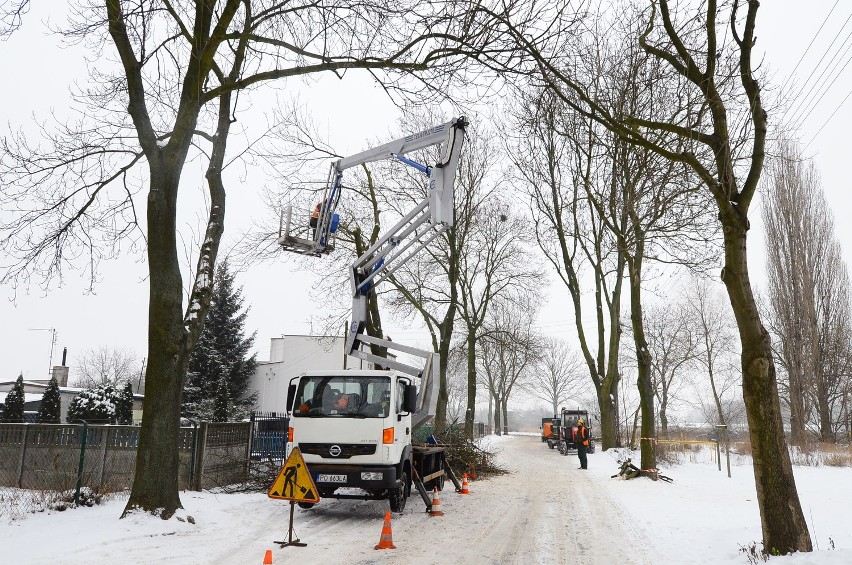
(354, 430)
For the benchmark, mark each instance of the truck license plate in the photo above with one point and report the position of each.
(331, 478)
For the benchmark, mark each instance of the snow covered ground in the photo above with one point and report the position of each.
(544, 511)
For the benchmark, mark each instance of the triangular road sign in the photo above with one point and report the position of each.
(294, 482)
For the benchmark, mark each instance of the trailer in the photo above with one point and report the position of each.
(550, 431)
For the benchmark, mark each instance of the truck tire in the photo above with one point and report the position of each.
(305, 505)
(398, 496)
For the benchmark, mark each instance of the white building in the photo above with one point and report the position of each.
(291, 355)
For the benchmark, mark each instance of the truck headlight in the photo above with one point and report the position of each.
(372, 476)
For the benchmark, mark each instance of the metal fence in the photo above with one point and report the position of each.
(46, 466)
(269, 436)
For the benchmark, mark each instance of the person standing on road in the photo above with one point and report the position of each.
(582, 439)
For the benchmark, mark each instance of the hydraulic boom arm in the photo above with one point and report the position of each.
(416, 230)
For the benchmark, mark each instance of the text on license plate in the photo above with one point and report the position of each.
(331, 478)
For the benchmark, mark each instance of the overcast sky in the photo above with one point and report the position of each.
(39, 71)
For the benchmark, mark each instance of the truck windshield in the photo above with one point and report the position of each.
(342, 396)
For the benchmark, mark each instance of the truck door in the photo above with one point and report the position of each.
(402, 435)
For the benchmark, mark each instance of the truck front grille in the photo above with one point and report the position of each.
(347, 450)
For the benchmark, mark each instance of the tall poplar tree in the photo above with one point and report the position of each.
(221, 353)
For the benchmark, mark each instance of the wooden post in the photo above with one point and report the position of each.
(198, 474)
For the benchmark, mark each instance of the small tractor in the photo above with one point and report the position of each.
(568, 426)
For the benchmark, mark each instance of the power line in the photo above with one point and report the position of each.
(825, 91)
(798, 95)
(792, 74)
(818, 85)
(828, 119)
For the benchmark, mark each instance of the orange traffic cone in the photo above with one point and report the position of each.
(464, 489)
(386, 539)
(435, 510)
(267, 559)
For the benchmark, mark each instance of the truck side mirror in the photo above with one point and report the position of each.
(291, 394)
(409, 402)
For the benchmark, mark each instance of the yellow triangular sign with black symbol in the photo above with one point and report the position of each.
(294, 482)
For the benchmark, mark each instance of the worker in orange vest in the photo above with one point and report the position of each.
(582, 440)
(315, 219)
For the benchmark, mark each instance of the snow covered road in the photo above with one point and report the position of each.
(544, 510)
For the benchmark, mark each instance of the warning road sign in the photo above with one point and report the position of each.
(294, 482)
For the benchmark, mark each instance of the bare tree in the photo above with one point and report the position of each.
(715, 334)
(174, 98)
(508, 350)
(722, 141)
(555, 168)
(808, 293)
(109, 366)
(673, 347)
(558, 375)
(494, 267)
(11, 15)
(649, 203)
(431, 284)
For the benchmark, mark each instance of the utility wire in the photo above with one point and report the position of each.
(813, 106)
(808, 47)
(842, 102)
(798, 95)
(805, 104)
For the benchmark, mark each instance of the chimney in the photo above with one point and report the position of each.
(61, 375)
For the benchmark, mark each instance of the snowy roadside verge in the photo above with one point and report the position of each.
(704, 517)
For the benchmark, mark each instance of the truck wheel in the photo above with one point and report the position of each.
(305, 505)
(397, 497)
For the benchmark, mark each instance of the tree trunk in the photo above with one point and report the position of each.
(608, 424)
(498, 420)
(643, 360)
(445, 331)
(505, 404)
(155, 483)
(826, 429)
(471, 384)
(783, 523)
(716, 399)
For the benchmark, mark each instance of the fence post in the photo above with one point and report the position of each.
(198, 475)
(192, 453)
(23, 456)
(247, 470)
(82, 460)
(105, 440)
